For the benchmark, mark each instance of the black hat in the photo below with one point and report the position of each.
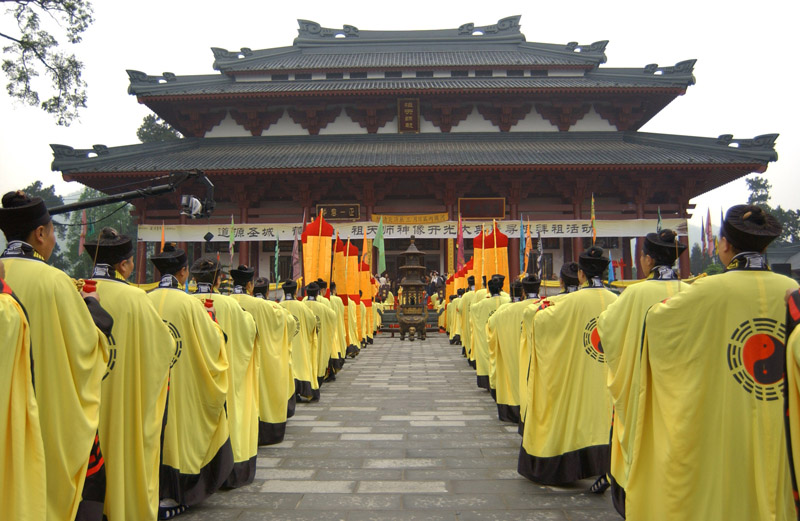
(109, 247)
(289, 286)
(242, 275)
(500, 277)
(516, 289)
(664, 247)
(312, 290)
(206, 270)
(322, 284)
(471, 280)
(531, 284)
(261, 285)
(569, 273)
(21, 214)
(461, 291)
(593, 262)
(451, 297)
(749, 228)
(170, 260)
(495, 286)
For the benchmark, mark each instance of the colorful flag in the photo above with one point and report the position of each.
(703, 236)
(521, 244)
(297, 268)
(540, 256)
(230, 241)
(276, 275)
(378, 243)
(528, 246)
(611, 275)
(162, 237)
(83, 233)
(658, 224)
(709, 235)
(460, 245)
(594, 230)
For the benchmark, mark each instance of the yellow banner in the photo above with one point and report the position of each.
(431, 218)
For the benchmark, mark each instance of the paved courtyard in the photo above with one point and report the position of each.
(403, 433)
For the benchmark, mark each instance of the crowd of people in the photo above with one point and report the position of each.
(671, 394)
(117, 403)
(122, 404)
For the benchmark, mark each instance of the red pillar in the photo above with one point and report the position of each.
(626, 257)
(141, 261)
(683, 260)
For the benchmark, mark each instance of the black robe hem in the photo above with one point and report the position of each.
(192, 489)
(617, 496)
(302, 388)
(315, 395)
(351, 351)
(369, 339)
(493, 392)
(270, 433)
(565, 468)
(457, 339)
(243, 473)
(337, 363)
(521, 429)
(483, 381)
(474, 365)
(291, 405)
(508, 413)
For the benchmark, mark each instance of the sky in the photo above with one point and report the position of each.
(746, 86)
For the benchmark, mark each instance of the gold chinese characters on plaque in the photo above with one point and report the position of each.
(408, 115)
(339, 212)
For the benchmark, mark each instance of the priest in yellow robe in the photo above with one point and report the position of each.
(326, 336)
(261, 291)
(709, 440)
(22, 474)
(480, 313)
(466, 320)
(241, 403)
(305, 345)
(196, 454)
(568, 418)
(620, 330)
(792, 402)
(274, 383)
(134, 391)
(341, 334)
(69, 354)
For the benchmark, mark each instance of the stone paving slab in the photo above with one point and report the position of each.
(402, 434)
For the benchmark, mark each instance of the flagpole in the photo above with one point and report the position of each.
(496, 263)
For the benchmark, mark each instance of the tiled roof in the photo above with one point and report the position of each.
(445, 150)
(222, 85)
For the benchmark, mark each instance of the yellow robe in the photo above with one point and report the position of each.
(792, 404)
(304, 348)
(326, 339)
(481, 311)
(274, 379)
(134, 396)
(364, 321)
(341, 321)
(620, 329)
(458, 306)
(709, 440)
(466, 302)
(196, 456)
(505, 342)
(22, 465)
(477, 296)
(242, 400)
(69, 361)
(568, 418)
(352, 323)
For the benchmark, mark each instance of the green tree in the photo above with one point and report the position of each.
(155, 129)
(33, 50)
(790, 219)
(117, 216)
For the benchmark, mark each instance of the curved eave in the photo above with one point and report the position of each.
(145, 99)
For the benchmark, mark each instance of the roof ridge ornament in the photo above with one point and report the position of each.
(509, 23)
(142, 77)
(596, 47)
(682, 67)
(308, 28)
(68, 152)
(762, 142)
(224, 54)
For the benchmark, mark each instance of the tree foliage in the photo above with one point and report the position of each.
(117, 216)
(33, 50)
(700, 262)
(759, 189)
(155, 129)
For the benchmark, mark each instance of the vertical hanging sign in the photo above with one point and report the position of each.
(408, 115)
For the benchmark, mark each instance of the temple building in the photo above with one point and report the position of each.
(420, 127)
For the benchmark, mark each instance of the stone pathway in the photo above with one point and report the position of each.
(403, 433)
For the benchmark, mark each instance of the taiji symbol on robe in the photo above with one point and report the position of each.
(755, 357)
(591, 341)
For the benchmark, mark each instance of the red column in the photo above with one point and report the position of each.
(141, 261)
(683, 260)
